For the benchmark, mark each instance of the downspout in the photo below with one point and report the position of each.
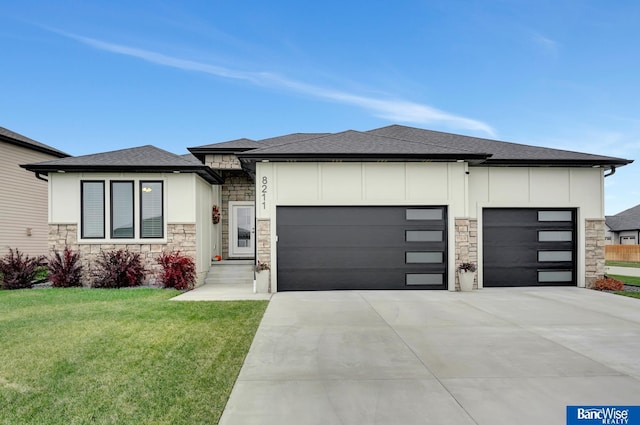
(39, 177)
(612, 171)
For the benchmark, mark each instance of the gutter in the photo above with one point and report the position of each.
(612, 171)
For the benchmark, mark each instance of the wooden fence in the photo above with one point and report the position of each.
(622, 253)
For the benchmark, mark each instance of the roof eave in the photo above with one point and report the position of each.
(205, 172)
(54, 152)
(604, 163)
(328, 157)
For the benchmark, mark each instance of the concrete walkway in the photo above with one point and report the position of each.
(222, 292)
(623, 271)
(491, 357)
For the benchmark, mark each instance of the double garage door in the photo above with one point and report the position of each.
(326, 248)
(355, 247)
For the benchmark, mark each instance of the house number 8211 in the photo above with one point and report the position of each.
(263, 195)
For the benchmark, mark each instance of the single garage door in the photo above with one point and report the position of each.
(529, 247)
(327, 248)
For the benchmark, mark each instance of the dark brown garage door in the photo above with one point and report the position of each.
(327, 248)
(529, 247)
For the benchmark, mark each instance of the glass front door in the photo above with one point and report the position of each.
(241, 229)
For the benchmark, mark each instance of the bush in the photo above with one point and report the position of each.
(18, 271)
(608, 284)
(118, 269)
(178, 271)
(65, 270)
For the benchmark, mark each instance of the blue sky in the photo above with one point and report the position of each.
(87, 76)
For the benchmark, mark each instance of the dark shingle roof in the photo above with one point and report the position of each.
(141, 159)
(502, 152)
(357, 144)
(289, 138)
(401, 142)
(626, 220)
(239, 144)
(14, 138)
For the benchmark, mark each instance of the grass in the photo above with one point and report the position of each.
(129, 356)
(629, 280)
(622, 264)
(629, 294)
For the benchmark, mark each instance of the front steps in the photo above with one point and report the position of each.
(230, 272)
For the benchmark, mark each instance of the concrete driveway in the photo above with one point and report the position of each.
(495, 356)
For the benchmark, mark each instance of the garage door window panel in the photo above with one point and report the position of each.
(552, 276)
(424, 257)
(555, 256)
(555, 236)
(423, 214)
(419, 279)
(423, 236)
(555, 216)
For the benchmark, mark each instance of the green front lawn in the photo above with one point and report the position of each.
(629, 294)
(622, 264)
(629, 280)
(128, 356)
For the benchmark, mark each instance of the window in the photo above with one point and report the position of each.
(151, 211)
(424, 279)
(418, 257)
(423, 235)
(555, 276)
(115, 209)
(122, 209)
(558, 256)
(424, 214)
(555, 215)
(92, 213)
(555, 236)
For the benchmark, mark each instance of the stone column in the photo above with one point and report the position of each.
(594, 250)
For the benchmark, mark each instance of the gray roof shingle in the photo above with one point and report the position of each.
(626, 220)
(144, 158)
(397, 142)
(20, 140)
(354, 143)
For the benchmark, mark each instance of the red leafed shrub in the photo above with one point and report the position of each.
(118, 269)
(608, 284)
(18, 271)
(178, 271)
(65, 270)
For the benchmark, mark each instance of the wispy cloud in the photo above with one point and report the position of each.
(545, 43)
(393, 109)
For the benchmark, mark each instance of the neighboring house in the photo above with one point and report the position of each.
(391, 208)
(624, 228)
(23, 199)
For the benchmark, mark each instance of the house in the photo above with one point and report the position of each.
(624, 228)
(23, 199)
(391, 208)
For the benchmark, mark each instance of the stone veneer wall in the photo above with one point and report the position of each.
(179, 237)
(223, 162)
(264, 240)
(466, 245)
(594, 250)
(237, 186)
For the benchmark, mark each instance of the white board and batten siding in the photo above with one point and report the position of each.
(23, 202)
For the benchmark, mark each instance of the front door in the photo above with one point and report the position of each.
(241, 229)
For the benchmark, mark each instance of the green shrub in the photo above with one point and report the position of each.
(18, 270)
(118, 269)
(178, 271)
(65, 270)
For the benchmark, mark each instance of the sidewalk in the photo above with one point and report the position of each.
(222, 292)
(623, 271)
